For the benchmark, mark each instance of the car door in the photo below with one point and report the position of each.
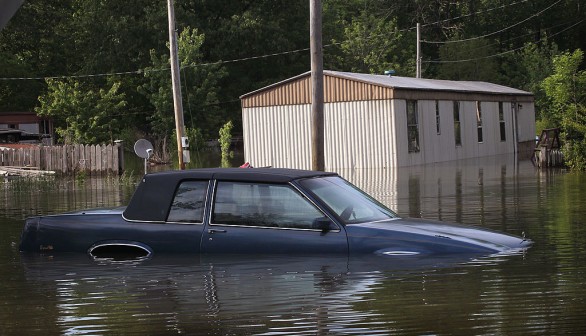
(250, 217)
(184, 225)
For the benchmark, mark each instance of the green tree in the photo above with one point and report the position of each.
(15, 95)
(225, 140)
(82, 114)
(534, 64)
(373, 45)
(566, 93)
(199, 86)
(469, 60)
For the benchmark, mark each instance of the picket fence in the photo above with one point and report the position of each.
(67, 159)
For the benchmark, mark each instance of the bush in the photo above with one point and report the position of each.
(575, 155)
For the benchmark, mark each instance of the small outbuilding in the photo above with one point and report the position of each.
(380, 121)
(25, 127)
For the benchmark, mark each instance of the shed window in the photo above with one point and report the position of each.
(412, 126)
(263, 205)
(457, 128)
(437, 118)
(189, 202)
(502, 122)
(479, 120)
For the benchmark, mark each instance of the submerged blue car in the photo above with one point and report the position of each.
(254, 211)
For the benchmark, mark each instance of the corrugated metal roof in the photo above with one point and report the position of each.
(409, 83)
(397, 82)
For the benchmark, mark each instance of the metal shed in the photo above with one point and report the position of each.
(379, 121)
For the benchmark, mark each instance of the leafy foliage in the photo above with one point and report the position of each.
(262, 42)
(225, 139)
(199, 90)
(373, 45)
(566, 93)
(89, 115)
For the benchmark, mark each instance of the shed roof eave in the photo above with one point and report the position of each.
(288, 80)
(408, 83)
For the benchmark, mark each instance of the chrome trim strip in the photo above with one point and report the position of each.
(271, 227)
(400, 253)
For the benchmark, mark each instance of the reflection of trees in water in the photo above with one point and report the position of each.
(25, 197)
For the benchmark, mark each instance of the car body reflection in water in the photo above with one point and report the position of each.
(255, 294)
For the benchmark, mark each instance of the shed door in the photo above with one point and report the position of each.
(267, 218)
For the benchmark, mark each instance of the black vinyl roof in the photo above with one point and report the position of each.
(244, 174)
(154, 195)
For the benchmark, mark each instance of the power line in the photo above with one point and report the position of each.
(496, 32)
(501, 53)
(142, 71)
(475, 13)
(524, 35)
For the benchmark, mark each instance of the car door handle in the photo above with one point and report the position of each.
(212, 231)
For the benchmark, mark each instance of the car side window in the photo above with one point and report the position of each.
(188, 202)
(263, 205)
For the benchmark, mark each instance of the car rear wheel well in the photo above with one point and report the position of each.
(120, 250)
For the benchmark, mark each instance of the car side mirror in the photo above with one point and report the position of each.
(324, 224)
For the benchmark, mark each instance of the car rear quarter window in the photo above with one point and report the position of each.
(188, 202)
(263, 205)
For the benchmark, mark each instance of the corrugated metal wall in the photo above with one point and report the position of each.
(366, 128)
(359, 134)
(442, 147)
(277, 136)
(373, 134)
(526, 121)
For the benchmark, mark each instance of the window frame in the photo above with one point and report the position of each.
(204, 204)
(290, 186)
(457, 124)
(437, 119)
(502, 123)
(412, 148)
(479, 135)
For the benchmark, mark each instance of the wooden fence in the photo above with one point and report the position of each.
(68, 159)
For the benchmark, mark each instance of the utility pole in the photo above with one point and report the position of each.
(176, 82)
(418, 61)
(317, 85)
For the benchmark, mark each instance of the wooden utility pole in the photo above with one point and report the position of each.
(176, 81)
(418, 61)
(317, 86)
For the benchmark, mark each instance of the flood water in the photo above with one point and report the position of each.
(540, 292)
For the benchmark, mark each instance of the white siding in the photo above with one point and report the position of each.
(359, 134)
(526, 121)
(442, 147)
(277, 136)
(373, 134)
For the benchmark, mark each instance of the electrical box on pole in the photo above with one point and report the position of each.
(176, 83)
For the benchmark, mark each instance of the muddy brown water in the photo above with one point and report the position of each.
(539, 292)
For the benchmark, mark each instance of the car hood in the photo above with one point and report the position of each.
(437, 232)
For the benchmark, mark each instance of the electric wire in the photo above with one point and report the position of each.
(496, 32)
(142, 71)
(498, 54)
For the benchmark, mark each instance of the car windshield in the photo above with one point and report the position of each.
(349, 203)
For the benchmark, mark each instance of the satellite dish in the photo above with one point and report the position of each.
(143, 148)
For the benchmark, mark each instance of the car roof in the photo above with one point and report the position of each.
(154, 195)
(244, 174)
